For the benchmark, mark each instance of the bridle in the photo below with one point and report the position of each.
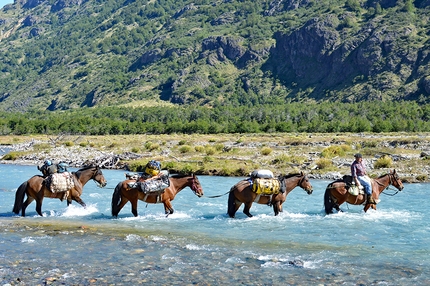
(193, 186)
(97, 172)
(392, 180)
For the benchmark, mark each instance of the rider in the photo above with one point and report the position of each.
(359, 175)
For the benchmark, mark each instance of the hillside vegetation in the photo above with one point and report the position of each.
(68, 54)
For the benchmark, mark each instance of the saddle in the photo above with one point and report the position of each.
(351, 187)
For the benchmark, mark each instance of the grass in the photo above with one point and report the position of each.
(240, 154)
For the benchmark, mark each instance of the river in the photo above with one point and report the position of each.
(200, 245)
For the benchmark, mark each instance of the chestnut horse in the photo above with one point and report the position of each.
(36, 189)
(123, 193)
(242, 193)
(336, 192)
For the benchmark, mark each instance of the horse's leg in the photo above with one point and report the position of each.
(133, 206)
(28, 201)
(39, 201)
(233, 204)
(277, 207)
(122, 203)
(168, 208)
(78, 200)
(247, 208)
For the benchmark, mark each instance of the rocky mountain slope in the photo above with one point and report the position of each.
(66, 54)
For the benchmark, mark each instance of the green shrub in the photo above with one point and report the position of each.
(333, 151)
(185, 148)
(135, 150)
(210, 150)
(69, 143)
(266, 151)
(151, 146)
(12, 156)
(422, 178)
(219, 147)
(199, 148)
(324, 163)
(383, 162)
(182, 142)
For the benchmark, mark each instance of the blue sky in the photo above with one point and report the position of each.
(4, 2)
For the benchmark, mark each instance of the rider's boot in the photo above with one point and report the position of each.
(370, 200)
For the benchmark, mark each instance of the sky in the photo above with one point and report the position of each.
(4, 2)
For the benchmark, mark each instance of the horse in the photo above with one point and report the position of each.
(123, 193)
(242, 193)
(36, 189)
(337, 193)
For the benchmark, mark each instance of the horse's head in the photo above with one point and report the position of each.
(196, 186)
(98, 177)
(395, 180)
(305, 184)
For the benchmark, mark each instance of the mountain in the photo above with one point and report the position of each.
(66, 54)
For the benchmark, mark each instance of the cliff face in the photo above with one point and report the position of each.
(318, 55)
(71, 53)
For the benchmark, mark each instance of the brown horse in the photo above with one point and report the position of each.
(36, 189)
(336, 192)
(123, 194)
(242, 193)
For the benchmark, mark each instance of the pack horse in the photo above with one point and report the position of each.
(37, 187)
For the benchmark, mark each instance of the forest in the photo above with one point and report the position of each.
(294, 117)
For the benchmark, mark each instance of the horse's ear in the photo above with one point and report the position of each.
(301, 173)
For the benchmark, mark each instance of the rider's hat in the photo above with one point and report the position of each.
(358, 155)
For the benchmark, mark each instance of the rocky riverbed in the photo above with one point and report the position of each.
(322, 156)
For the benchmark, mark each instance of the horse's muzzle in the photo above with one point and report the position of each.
(309, 191)
(102, 185)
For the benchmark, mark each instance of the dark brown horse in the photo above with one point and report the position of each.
(36, 189)
(336, 192)
(242, 193)
(123, 193)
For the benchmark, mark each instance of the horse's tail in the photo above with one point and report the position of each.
(116, 198)
(328, 200)
(19, 197)
(231, 203)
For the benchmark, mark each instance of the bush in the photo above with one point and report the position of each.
(383, 162)
(333, 151)
(199, 148)
(266, 151)
(151, 146)
(185, 149)
(210, 150)
(422, 178)
(12, 156)
(324, 163)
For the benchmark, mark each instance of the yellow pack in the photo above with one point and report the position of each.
(263, 186)
(151, 171)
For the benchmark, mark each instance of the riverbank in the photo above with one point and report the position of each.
(322, 156)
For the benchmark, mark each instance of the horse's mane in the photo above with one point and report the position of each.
(87, 167)
(383, 175)
(291, 175)
(180, 176)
